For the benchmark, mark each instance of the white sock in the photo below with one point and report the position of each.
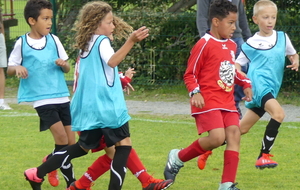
(1, 101)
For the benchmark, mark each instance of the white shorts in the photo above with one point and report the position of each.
(3, 56)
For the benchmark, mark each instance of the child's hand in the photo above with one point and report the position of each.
(21, 72)
(248, 94)
(295, 63)
(198, 100)
(127, 88)
(139, 34)
(60, 62)
(129, 73)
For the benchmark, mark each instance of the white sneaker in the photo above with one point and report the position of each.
(228, 186)
(5, 106)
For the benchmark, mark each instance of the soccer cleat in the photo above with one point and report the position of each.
(73, 187)
(52, 176)
(5, 106)
(202, 159)
(228, 186)
(173, 165)
(33, 179)
(157, 184)
(265, 162)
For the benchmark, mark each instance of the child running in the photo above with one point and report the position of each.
(265, 52)
(40, 61)
(102, 164)
(210, 77)
(98, 107)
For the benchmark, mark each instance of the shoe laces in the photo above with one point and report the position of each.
(176, 167)
(267, 155)
(206, 155)
(233, 187)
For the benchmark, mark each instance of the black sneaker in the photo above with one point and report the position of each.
(173, 165)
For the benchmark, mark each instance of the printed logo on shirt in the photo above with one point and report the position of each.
(226, 73)
(224, 46)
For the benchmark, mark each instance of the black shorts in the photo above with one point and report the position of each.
(53, 113)
(90, 139)
(260, 111)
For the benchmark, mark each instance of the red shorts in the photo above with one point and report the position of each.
(215, 119)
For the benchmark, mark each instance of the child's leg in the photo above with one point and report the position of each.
(231, 154)
(99, 167)
(59, 159)
(277, 115)
(248, 121)
(61, 135)
(118, 166)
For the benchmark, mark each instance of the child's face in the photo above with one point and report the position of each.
(266, 20)
(42, 26)
(106, 27)
(226, 26)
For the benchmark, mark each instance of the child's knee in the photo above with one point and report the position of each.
(279, 116)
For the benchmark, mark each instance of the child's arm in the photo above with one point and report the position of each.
(19, 71)
(294, 59)
(136, 36)
(125, 80)
(63, 64)
(238, 68)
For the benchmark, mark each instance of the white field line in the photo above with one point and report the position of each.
(17, 114)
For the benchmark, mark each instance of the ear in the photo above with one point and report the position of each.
(254, 18)
(31, 21)
(215, 21)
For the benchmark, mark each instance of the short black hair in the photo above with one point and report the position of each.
(33, 9)
(220, 9)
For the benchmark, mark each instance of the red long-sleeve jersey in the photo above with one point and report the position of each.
(211, 69)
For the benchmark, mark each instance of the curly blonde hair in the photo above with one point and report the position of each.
(89, 18)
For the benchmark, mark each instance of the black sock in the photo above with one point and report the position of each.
(67, 168)
(60, 158)
(269, 136)
(118, 167)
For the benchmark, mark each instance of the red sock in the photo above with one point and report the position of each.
(191, 151)
(231, 161)
(137, 168)
(99, 167)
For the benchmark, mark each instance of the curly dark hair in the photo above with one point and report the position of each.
(33, 8)
(220, 9)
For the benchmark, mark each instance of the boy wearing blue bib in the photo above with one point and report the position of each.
(265, 52)
(40, 61)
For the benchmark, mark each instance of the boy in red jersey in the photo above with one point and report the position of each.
(210, 77)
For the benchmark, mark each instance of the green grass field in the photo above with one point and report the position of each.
(153, 136)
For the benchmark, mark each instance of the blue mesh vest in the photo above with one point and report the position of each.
(95, 103)
(45, 79)
(266, 69)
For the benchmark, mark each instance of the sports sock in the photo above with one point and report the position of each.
(231, 160)
(67, 169)
(99, 167)
(118, 167)
(269, 136)
(191, 151)
(60, 158)
(137, 168)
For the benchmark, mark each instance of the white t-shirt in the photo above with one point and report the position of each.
(15, 59)
(261, 42)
